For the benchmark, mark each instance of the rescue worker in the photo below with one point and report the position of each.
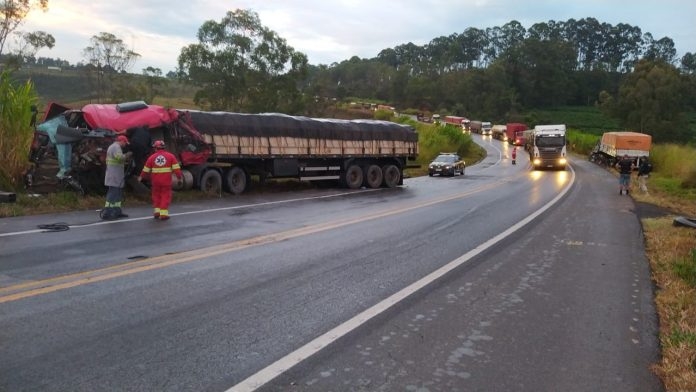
(114, 179)
(159, 168)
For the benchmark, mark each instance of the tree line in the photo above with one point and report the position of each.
(497, 73)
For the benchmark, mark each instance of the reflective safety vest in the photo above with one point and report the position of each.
(159, 168)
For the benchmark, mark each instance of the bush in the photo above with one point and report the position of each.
(16, 133)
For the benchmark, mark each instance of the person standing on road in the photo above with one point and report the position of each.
(159, 168)
(625, 166)
(644, 169)
(114, 179)
(514, 155)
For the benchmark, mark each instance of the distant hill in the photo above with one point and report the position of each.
(74, 87)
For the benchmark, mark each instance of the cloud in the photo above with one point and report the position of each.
(333, 31)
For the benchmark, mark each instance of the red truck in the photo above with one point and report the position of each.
(515, 133)
(458, 121)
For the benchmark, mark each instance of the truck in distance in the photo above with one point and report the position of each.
(475, 126)
(614, 145)
(458, 121)
(515, 133)
(486, 128)
(498, 132)
(546, 145)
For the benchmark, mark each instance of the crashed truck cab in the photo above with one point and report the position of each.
(69, 146)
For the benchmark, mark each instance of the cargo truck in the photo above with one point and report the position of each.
(458, 121)
(546, 145)
(515, 133)
(475, 126)
(486, 128)
(498, 132)
(221, 150)
(614, 145)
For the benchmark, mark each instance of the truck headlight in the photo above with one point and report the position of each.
(562, 161)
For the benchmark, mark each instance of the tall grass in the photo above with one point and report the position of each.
(15, 129)
(674, 161)
(581, 142)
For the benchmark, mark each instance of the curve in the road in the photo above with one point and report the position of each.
(275, 369)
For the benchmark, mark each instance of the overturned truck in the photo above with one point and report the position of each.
(221, 150)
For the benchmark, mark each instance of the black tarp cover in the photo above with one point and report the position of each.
(275, 124)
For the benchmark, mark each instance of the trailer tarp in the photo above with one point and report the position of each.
(275, 124)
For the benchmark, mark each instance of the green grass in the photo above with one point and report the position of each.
(585, 118)
(686, 269)
(678, 337)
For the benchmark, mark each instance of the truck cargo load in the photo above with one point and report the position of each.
(614, 145)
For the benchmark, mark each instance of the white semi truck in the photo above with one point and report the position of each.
(546, 145)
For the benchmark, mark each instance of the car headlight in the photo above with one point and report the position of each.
(448, 167)
(562, 161)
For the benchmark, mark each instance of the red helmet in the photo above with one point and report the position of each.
(158, 144)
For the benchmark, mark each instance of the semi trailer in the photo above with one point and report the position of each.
(222, 150)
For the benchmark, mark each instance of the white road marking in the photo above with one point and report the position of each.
(277, 368)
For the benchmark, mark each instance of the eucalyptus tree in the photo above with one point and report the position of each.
(652, 99)
(109, 60)
(241, 65)
(622, 47)
(12, 15)
(688, 63)
(545, 31)
(659, 50)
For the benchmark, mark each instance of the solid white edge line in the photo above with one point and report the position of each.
(278, 367)
(149, 217)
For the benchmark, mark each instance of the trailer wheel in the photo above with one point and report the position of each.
(353, 177)
(392, 176)
(373, 176)
(236, 180)
(211, 182)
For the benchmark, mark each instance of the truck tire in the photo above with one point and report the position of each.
(236, 180)
(353, 177)
(373, 176)
(392, 176)
(211, 182)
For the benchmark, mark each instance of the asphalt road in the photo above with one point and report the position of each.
(501, 279)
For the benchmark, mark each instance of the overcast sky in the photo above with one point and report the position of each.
(331, 31)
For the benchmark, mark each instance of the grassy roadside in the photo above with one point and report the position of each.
(671, 251)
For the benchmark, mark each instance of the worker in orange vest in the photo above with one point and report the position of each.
(159, 168)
